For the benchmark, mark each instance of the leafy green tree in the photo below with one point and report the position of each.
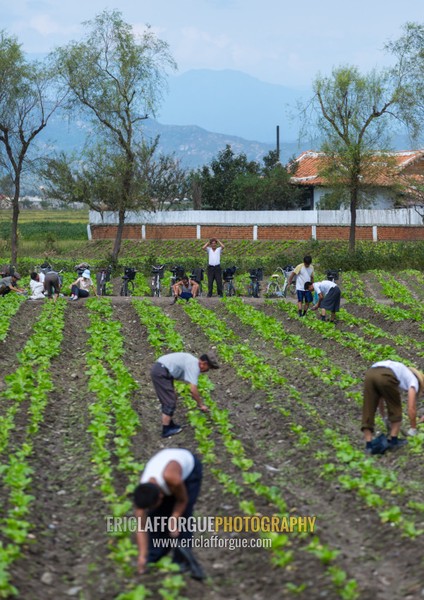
(219, 191)
(354, 113)
(117, 78)
(409, 53)
(27, 101)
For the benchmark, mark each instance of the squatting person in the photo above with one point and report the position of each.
(385, 380)
(169, 487)
(181, 366)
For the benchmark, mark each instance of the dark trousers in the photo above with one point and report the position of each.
(214, 274)
(193, 484)
(80, 293)
(380, 382)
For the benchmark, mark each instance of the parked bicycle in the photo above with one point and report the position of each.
(228, 276)
(157, 276)
(254, 288)
(278, 286)
(197, 276)
(102, 278)
(81, 268)
(128, 284)
(333, 274)
(178, 273)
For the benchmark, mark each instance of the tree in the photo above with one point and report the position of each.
(233, 183)
(27, 101)
(354, 113)
(409, 53)
(117, 78)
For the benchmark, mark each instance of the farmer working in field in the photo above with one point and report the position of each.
(304, 272)
(328, 297)
(385, 380)
(169, 487)
(181, 366)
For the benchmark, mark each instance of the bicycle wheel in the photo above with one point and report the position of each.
(124, 288)
(255, 292)
(273, 289)
(229, 289)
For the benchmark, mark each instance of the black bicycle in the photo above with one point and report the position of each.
(333, 274)
(128, 285)
(157, 276)
(228, 275)
(102, 278)
(254, 288)
(197, 276)
(178, 273)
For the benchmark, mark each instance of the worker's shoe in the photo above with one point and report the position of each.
(168, 430)
(397, 444)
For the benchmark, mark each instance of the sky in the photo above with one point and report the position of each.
(276, 41)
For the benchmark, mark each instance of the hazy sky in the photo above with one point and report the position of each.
(277, 41)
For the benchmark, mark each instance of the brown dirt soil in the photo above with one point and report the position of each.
(69, 541)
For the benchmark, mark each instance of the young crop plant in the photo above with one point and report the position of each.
(32, 383)
(9, 306)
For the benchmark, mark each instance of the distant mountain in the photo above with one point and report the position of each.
(193, 145)
(233, 102)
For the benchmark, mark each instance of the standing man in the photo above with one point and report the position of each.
(304, 272)
(214, 248)
(181, 366)
(384, 381)
(328, 297)
(169, 487)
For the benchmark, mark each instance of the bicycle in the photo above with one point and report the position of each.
(102, 278)
(178, 273)
(197, 276)
(228, 275)
(128, 285)
(333, 274)
(157, 272)
(279, 286)
(254, 288)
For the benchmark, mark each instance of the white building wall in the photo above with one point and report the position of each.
(404, 216)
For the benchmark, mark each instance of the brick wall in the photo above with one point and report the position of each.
(264, 232)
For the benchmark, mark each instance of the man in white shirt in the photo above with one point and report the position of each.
(214, 248)
(168, 489)
(304, 272)
(385, 380)
(181, 366)
(328, 297)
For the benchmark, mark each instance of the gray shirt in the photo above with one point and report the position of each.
(182, 366)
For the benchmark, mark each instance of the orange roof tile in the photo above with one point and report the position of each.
(309, 164)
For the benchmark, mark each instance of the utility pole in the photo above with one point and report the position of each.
(278, 143)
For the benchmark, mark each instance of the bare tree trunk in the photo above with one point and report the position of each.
(14, 228)
(352, 231)
(118, 239)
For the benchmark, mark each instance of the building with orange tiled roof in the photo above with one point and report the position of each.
(407, 172)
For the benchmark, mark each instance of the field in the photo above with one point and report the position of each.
(80, 418)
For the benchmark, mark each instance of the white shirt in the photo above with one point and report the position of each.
(303, 274)
(323, 287)
(37, 289)
(404, 375)
(84, 283)
(158, 463)
(214, 256)
(182, 366)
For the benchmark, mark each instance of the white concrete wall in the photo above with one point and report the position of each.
(404, 216)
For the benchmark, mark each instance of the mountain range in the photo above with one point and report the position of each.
(204, 111)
